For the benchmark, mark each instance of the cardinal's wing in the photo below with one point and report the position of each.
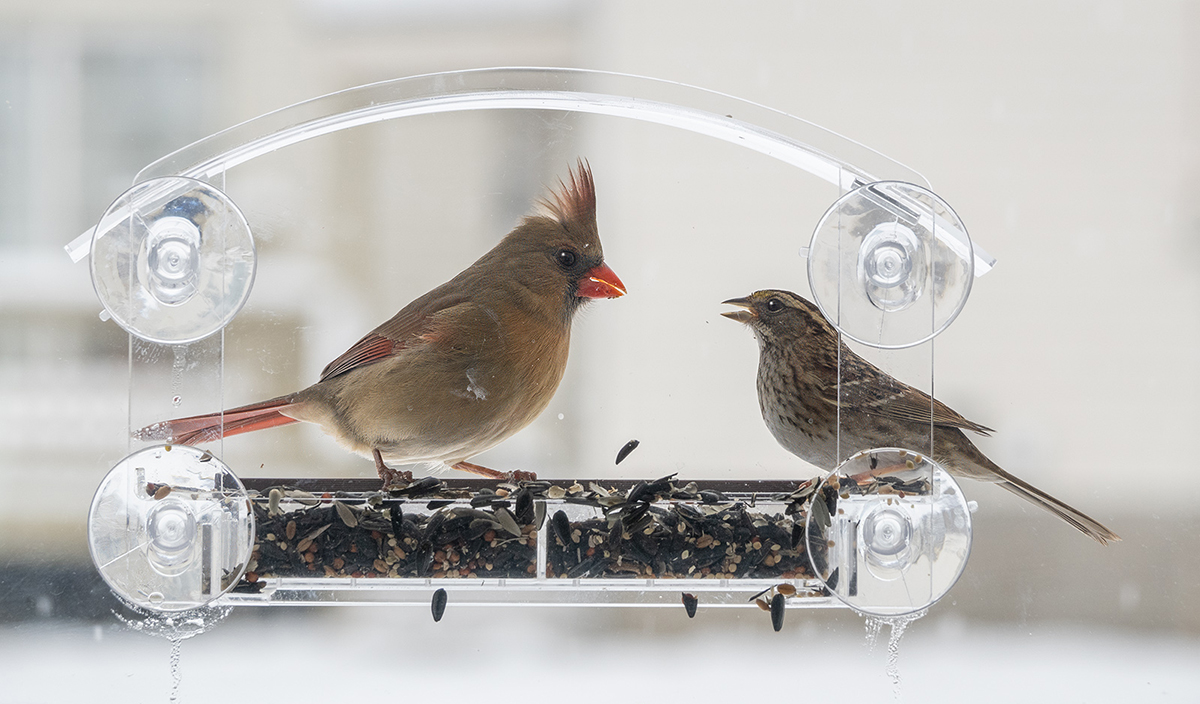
(446, 317)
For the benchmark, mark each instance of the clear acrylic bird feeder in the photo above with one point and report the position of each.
(174, 260)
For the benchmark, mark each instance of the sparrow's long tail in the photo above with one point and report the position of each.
(213, 426)
(1085, 524)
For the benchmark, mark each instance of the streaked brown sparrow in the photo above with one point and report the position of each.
(798, 395)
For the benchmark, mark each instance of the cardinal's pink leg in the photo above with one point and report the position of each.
(517, 475)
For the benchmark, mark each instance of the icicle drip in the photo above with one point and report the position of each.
(899, 625)
(176, 675)
(175, 627)
(874, 624)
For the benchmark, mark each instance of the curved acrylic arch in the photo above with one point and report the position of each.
(770, 132)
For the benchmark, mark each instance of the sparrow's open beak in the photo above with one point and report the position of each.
(600, 282)
(742, 316)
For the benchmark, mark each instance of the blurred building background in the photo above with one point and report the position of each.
(1063, 133)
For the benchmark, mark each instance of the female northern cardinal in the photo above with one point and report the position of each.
(461, 368)
(812, 415)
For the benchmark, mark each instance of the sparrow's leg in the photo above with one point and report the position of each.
(517, 475)
(879, 470)
(391, 477)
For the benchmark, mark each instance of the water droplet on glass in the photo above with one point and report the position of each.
(177, 368)
(177, 400)
(561, 416)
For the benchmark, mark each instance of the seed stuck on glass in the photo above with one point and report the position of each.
(628, 448)
(777, 607)
(438, 605)
(689, 604)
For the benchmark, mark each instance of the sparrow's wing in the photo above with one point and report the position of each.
(875, 392)
(893, 399)
(422, 320)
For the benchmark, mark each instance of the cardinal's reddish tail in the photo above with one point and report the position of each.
(199, 429)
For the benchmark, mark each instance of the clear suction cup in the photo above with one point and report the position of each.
(170, 528)
(173, 260)
(888, 532)
(890, 264)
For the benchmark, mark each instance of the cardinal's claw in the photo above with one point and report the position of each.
(392, 478)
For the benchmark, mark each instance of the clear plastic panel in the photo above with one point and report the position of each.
(890, 266)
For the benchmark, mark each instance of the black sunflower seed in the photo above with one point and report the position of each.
(624, 451)
(562, 527)
(438, 606)
(396, 516)
(777, 607)
(689, 604)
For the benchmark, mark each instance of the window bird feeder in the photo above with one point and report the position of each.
(174, 528)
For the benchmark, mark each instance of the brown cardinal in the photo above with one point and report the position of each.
(461, 368)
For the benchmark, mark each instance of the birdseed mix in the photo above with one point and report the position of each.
(475, 528)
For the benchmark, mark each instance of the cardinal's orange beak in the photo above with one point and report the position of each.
(600, 282)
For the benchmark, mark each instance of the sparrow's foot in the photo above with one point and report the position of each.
(392, 478)
(878, 470)
(516, 475)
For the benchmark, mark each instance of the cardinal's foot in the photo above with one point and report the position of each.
(392, 478)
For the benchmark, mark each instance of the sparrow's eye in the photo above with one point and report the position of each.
(567, 258)
(774, 305)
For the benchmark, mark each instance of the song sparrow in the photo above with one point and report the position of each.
(798, 395)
